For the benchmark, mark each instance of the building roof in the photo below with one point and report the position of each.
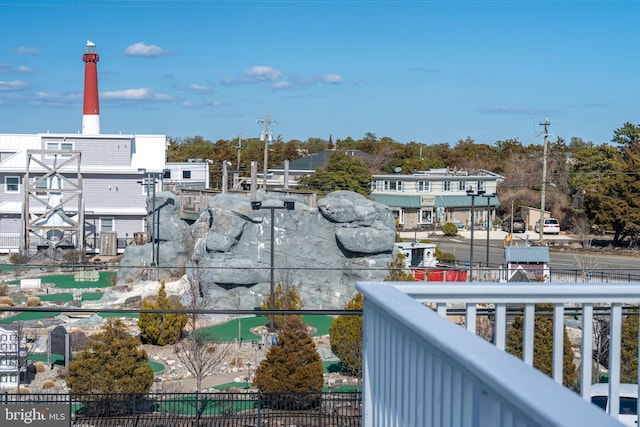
(530, 254)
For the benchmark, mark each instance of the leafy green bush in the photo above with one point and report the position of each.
(450, 229)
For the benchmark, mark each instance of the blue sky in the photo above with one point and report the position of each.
(424, 71)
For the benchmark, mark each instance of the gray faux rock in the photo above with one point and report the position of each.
(322, 251)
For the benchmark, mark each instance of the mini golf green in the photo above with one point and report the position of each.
(228, 332)
(67, 281)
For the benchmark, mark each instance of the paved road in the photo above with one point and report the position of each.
(563, 259)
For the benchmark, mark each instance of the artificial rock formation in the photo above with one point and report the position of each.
(321, 250)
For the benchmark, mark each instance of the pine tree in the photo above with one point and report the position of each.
(629, 351)
(161, 328)
(284, 298)
(543, 345)
(398, 271)
(110, 362)
(293, 365)
(345, 336)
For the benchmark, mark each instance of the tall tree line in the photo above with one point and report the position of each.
(585, 182)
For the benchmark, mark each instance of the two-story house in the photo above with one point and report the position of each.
(431, 198)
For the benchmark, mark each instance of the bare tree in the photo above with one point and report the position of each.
(20, 349)
(582, 228)
(201, 355)
(586, 265)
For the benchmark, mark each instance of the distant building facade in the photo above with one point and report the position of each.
(426, 200)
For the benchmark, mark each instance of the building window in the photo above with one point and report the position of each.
(393, 185)
(186, 174)
(461, 186)
(46, 184)
(398, 215)
(426, 216)
(106, 224)
(423, 186)
(446, 185)
(480, 186)
(11, 184)
(59, 146)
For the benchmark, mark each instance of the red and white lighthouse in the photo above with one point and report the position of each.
(91, 109)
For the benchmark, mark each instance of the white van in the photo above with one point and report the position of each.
(628, 401)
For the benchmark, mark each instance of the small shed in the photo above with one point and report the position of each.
(527, 264)
(418, 255)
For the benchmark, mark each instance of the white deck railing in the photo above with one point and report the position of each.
(421, 369)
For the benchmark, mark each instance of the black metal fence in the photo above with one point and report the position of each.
(217, 408)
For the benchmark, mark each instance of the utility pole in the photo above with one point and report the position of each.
(266, 137)
(543, 189)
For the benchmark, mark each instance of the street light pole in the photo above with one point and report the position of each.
(488, 196)
(288, 205)
(473, 195)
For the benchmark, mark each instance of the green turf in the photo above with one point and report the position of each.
(187, 406)
(330, 366)
(228, 332)
(67, 297)
(157, 367)
(30, 315)
(11, 267)
(42, 357)
(66, 281)
(119, 314)
(231, 385)
(320, 322)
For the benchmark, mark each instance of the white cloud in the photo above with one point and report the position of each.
(261, 73)
(56, 99)
(214, 103)
(198, 88)
(23, 50)
(12, 85)
(331, 79)
(281, 85)
(139, 94)
(145, 50)
(187, 104)
(7, 68)
(257, 74)
(266, 74)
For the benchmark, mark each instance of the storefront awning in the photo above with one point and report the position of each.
(397, 200)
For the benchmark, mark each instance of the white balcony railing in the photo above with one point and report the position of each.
(420, 368)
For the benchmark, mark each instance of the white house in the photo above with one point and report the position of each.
(59, 188)
(431, 198)
(10, 350)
